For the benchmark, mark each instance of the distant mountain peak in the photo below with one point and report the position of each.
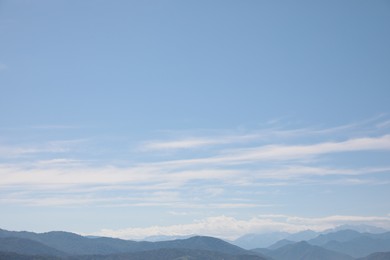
(362, 228)
(166, 238)
(280, 243)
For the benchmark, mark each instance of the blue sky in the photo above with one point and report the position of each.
(139, 118)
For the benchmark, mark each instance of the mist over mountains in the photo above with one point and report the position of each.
(337, 244)
(250, 241)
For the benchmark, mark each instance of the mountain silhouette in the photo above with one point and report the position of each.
(250, 241)
(360, 246)
(339, 236)
(59, 245)
(73, 246)
(353, 243)
(280, 243)
(304, 251)
(27, 247)
(377, 256)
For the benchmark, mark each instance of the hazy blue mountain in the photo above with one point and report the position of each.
(377, 256)
(361, 246)
(250, 241)
(353, 243)
(263, 240)
(14, 256)
(280, 243)
(339, 245)
(304, 251)
(340, 236)
(165, 238)
(385, 235)
(262, 251)
(201, 243)
(302, 235)
(159, 254)
(74, 244)
(26, 247)
(171, 254)
(359, 228)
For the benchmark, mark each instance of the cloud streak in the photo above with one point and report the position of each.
(237, 167)
(188, 143)
(231, 228)
(50, 147)
(288, 152)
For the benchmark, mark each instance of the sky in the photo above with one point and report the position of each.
(140, 118)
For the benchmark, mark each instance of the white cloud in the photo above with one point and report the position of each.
(54, 127)
(72, 173)
(176, 213)
(233, 167)
(12, 151)
(295, 171)
(59, 162)
(69, 175)
(51, 147)
(290, 152)
(264, 135)
(384, 124)
(187, 143)
(179, 144)
(286, 152)
(231, 228)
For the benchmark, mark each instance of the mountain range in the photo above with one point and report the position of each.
(263, 240)
(303, 251)
(331, 245)
(338, 245)
(64, 245)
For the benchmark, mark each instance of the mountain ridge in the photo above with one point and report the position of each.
(66, 245)
(337, 245)
(264, 240)
(304, 251)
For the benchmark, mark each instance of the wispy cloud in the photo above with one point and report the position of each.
(3, 66)
(196, 142)
(64, 183)
(385, 124)
(73, 172)
(288, 152)
(52, 147)
(59, 162)
(179, 144)
(54, 127)
(239, 166)
(269, 134)
(231, 228)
